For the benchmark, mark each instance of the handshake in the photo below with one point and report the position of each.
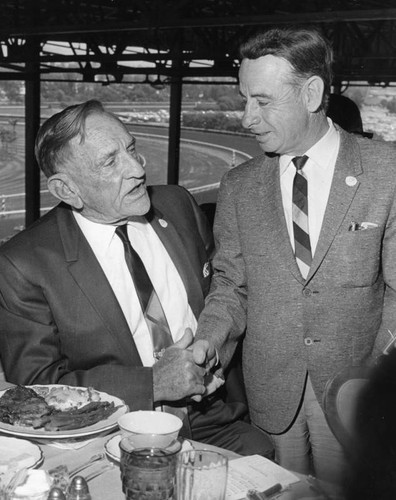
(185, 370)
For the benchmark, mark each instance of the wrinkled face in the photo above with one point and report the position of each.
(107, 171)
(275, 110)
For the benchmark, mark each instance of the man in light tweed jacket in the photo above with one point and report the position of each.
(311, 289)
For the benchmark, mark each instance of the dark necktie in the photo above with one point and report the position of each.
(302, 244)
(149, 301)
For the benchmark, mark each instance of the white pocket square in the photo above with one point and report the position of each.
(368, 225)
(356, 226)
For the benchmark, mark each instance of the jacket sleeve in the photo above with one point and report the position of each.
(223, 319)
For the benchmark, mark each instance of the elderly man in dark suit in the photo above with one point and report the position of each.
(105, 289)
(306, 246)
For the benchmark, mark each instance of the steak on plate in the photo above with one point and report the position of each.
(23, 406)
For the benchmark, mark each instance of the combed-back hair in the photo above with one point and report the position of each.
(55, 134)
(307, 51)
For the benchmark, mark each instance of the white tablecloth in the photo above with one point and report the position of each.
(108, 485)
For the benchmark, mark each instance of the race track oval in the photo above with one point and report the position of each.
(201, 163)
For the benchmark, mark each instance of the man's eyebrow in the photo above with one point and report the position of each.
(262, 95)
(259, 95)
(106, 155)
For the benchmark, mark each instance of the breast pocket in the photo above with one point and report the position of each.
(356, 257)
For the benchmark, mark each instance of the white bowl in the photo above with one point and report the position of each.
(158, 428)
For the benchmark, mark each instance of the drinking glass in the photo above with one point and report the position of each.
(148, 473)
(201, 475)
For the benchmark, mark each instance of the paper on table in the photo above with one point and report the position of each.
(255, 472)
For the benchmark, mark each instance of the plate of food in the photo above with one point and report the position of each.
(58, 411)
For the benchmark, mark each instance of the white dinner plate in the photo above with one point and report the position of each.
(101, 426)
(112, 447)
(18, 453)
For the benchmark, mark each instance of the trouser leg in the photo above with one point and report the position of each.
(328, 457)
(309, 446)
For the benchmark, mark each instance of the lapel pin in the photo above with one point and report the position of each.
(350, 180)
(163, 222)
(206, 270)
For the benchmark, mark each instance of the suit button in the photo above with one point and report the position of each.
(306, 292)
(308, 341)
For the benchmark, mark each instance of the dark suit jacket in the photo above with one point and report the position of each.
(60, 321)
(340, 315)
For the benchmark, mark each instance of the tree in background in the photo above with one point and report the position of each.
(357, 94)
(113, 92)
(65, 92)
(12, 91)
(390, 104)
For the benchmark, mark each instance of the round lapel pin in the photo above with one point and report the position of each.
(163, 222)
(350, 181)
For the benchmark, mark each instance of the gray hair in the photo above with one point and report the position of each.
(55, 134)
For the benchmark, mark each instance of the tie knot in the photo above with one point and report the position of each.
(300, 161)
(122, 233)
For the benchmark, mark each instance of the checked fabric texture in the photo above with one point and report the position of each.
(149, 301)
(302, 242)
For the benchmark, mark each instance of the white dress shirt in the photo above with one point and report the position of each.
(318, 170)
(166, 280)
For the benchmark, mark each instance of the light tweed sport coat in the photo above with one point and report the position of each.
(339, 315)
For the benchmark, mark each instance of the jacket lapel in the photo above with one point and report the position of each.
(176, 249)
(344, 187)
(90, 278)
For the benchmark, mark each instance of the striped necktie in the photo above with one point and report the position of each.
(302, 244)
(148, 298)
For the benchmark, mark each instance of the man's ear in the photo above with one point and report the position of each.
(62, 187)
(314, 88)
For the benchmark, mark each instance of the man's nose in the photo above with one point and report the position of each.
(133, 165)
(250, 116)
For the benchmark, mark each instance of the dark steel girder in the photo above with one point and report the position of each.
(203, 22)
(367, 34)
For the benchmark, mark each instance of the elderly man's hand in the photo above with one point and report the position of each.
(176, 375)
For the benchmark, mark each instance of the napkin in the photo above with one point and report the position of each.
(67, 444)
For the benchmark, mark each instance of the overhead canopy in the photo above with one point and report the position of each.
(111, 39)
(174, 41)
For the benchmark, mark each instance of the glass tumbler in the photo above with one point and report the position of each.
(201, 475)
(148, 473)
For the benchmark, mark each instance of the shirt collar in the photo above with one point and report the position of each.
(99, 236)
(320, 153)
